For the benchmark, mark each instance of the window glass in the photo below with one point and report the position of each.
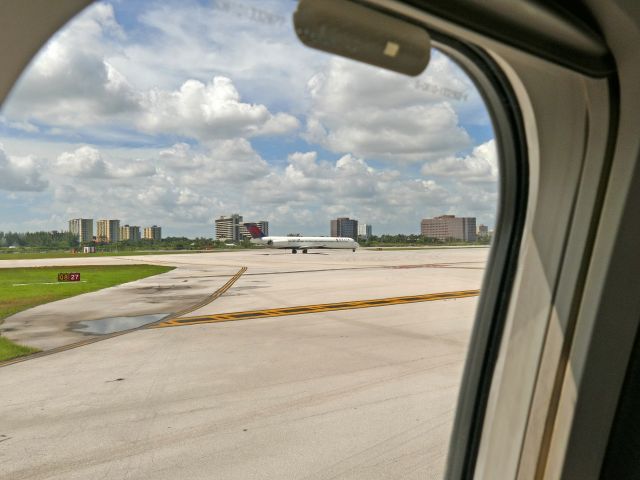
(153, 158)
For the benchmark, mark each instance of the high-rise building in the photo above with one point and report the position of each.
(130, 232)
(483, 231)
(152, 233)
(108, 231)
(82, 229)
(344, 227)
(447, 227)
(228, 228)
(244, 233)
(364, 230)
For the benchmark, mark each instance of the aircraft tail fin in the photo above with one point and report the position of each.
(254, 230)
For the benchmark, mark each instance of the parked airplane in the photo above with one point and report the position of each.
(298, 243)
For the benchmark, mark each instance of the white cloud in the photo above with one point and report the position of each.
(22, 126)
(210, 111)
(69, 82)
(87, 162)
(20, 174)
(378, 114)
(480, 166)
(191, 41)
(221, 162)
(74, 87)
(190, 185)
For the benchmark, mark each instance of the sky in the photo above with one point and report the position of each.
(176, 112)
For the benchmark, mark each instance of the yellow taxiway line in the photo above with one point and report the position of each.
(210, 298)
(323, 307)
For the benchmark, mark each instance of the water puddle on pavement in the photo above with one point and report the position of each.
(105, 326)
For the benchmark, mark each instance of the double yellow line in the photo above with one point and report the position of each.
(219, 292)
(323, 307)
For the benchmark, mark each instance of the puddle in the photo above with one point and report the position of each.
(115, 324)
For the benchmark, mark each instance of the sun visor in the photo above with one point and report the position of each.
(361, 33)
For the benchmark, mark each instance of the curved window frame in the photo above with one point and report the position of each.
(492, 310)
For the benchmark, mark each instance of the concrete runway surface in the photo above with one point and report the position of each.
(356, 393)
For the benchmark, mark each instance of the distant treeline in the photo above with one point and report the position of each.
(51, 240)
(66, 241)
(415, 240)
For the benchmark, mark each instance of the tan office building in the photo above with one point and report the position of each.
(152, 233)
(228, 228)
(130, 232)
(447, 227)
(108, 231)
(82, 229)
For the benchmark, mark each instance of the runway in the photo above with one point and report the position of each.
(345, 388)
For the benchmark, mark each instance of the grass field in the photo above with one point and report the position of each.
(23, 288)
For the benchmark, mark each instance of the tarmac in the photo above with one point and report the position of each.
(298, 366)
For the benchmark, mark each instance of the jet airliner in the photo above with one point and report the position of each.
(299, 243)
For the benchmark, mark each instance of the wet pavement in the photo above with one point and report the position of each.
(105, 326)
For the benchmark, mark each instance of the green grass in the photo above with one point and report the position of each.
(14, 299)
(9, 350)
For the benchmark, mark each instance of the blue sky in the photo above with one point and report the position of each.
(174, 113)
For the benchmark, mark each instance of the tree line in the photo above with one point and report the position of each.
(415, 240)
(38, 239)
(65, 241)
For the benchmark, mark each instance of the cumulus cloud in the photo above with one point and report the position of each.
(378, 114)
(70, 83)
(309, 189)
(74, 86)
(222, 161)
(20, 174)
(480, 166)
(210, 111)
(189, 42)
(87, 162)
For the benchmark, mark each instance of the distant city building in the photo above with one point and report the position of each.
(130, 232)
(152, 233)
(228, 228)
(449, 227)
(82, 229)
(344, 227)
(108, 231)
(364, 230)
(483, 231)
(244, 233)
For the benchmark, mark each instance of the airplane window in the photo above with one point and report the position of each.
(224, 254)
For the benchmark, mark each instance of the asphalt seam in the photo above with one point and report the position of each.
(306, 309)
(220, 291)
